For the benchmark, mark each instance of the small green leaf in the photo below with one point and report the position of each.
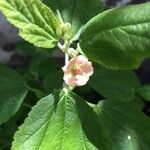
(36, 22)
(7, 131)
(60, 121)
(25, 49)
(118, 38)
(12, 93)
(144, 92)
(41, 64)
(53, 80)
(126, 128)
(118, 85)
(76, 12)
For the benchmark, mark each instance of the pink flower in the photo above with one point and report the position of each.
(77, 71)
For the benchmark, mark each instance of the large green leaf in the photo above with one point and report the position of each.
(60, 121)
(118, 38)
(126, 128)
(118, 85)
(76, 12)
(12, 93)
(37, 23)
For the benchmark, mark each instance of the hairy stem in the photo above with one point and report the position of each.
(60, 46)
(64, 48)
(66, 58)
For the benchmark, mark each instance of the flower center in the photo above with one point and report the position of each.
(76, 70)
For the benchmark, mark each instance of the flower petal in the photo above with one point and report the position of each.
(77, 71)
(81, 60)
(70, 65)
(81, 80)
(87, 69)
(70, 80)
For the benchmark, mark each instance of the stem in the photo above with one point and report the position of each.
(66, 58)
(60, 46)
(65, 86)
(64, 48)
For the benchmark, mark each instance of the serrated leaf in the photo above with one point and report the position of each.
(76, 12)
(125, 127)
(36, 22)
(12, 93)
(60, 121)
(118, 85)
(118, 38)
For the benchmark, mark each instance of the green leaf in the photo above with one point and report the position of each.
(60, 121)
(12, 93)
(138, 103)
(36, 22)
(118, 38)
(26, 49)
(126, 128)
(41, 64)
(6, 134)
(53, 80)
(39, 93)
(118, 85)
(76, 12)
(144, 92)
